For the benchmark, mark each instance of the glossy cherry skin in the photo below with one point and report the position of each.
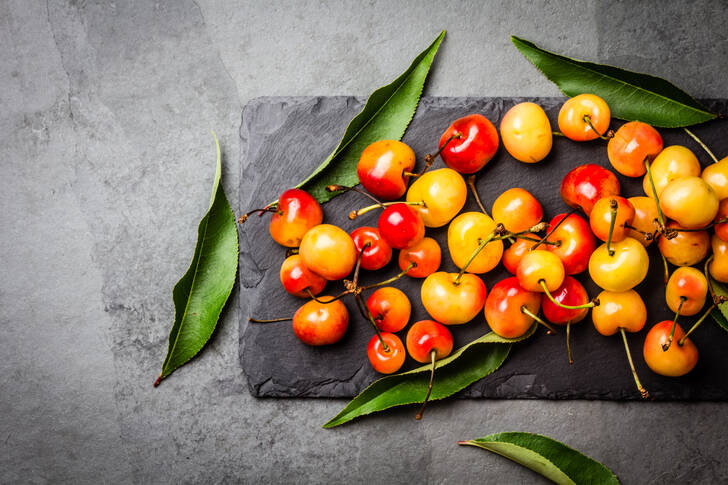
(475, 147)
(328, 251)
(390, 308)
(389, 361)
(426, 254)
(677, 360)
(379, 252)
(571, 293)
(716, 175)
(296, 213)
(576, 242)
(425, 336)
(526, 133)
(317, 323)
(622, 271)
(517, 210)
(721, 229)
(619, 310)
(443, 191)
(538, 265)
(601, 218)
(631, 145)
(382, 166)
(690, 201)
(670, 164)
(689, 284)
(645, 215)
(401, 226)
(463, 237)
(718, 267)
(450, 303)
(584, 185)
(296, 278)
(685, 249)
(503, 308)
(571, 117)
(514, 254)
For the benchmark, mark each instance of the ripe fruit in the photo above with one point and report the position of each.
(377, 254)
(688, 286)
(632, 144)
(382, 167)
(571, 293)
(716, 175)
(573, 117)
(718, 267)
(390, 308)
(622, 271)
(677, 360)
(451, 301)
(297, 212)
(296, 278)
(464, 236)
(672, 163)
(386, 361)
(426, 254)
(474, 148)
(515, 252)
(721, 228)
(690, 201)
(645, 213)
(526, 133)
(401, 226)
(576, 242)
(443, 192)
(317, 323)
(504, 308)
(328, 251)
(686, 248)
(539, 267)
(428, 341)
(584, 185)
(517, 210)
(600, 219)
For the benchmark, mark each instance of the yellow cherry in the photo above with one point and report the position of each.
(443, 191)
(716, 175)
(690, 201)
(526, 133)
(465, 234)
(670, 164)
(622, 271)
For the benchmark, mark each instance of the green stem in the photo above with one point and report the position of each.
(700, 142)
(392, 279)
(697, 324)
(344, 188)
(641, 389)
(666, 275)
(667, 344)
(660, 216)
(354, 214)
(477, 251)
(613, 212)
(433, 354)
(526, 311)
(474, 190)
(591, 304)
(272, 320)
(588, 121)
(557, 133)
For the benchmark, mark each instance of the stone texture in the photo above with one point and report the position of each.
(106, 163)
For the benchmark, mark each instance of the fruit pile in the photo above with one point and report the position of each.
(682, 203)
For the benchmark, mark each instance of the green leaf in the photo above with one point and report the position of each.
(630, 95)
(546, 456)
(386, 115)
(720, 314)
(201, 293)
(469, 364)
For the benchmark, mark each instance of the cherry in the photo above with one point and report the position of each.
(517, 210)
(686, 248)
(465, 235)
(643, 223)
(540, 271)
(571, 306)
(670, 164)
(378, 252)
(509, 309)
(716, 175)
(678, 359)
(515, 252)
(574, 242)
(401, 226)
(386, 361)
(632, 144)
(690, 201)
(584, 117)
(469, 143)
(328, 251)
(298, 280)
(610, 217)
(441, 194)
(526, 132)
(383, 168)
(686, 291)
(321, 323)
(426, 255)
(721, 228)
(453, 298)
(718, 265)
(584, 185)
(621, 267)
(390, 309)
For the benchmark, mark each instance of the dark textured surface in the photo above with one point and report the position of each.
(283, 139)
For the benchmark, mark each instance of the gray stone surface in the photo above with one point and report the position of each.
(106, 162)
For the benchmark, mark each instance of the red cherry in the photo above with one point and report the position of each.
(427, 336)
(377, 254)
(390, 308)
(583, 186)
(382, 167)
(296, 278)
(386, 361)
(476, 145)
(577, 242)
(504, 308)
(401, 226)
(297, 212)
(571, 293)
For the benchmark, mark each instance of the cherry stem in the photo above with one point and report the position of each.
(367, 313)
(433, 355)
(641, 389)
(543, 239)
(477, 251)
(272, 320)
(270, 208)
(719, 221)
(343, 188)
(700, 142)
(392, 279)
(613, 212)
(471, 184)
(354, 214)
(667, 344)
(588, 121)
(666, 275)
(527, 238)
(697, 324)
(557, 133)
(647, 235)
(455, 135)
(591, 304)
(355, 280)
(716, 299)
(660, 216)
(526, 311)
(568, 342)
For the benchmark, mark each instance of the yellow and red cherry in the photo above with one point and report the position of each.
(716, 175)
(296, 212)
(686, 291)
(621, 312)
(571, 305)
(383, 168)
(442, 194)
(678, 359)
(426, 255)
(377, 253)
(428, 341)
(470, 234)
(453, 298)
(621, 267)
(584, 117)
(540, 271)
(718, 266)
(690, 201)
(611, 217)
(514, 254)
(670, 164)
(686, 248)
(469, 143)
(721, 228)
(386, 360)
(517, 210)
(526, 132)
(321, 323)
(643, 223)
(509, 309)
(298, 280)
(584, 185)
(633, 144)
(328, 251)
(572, 241)
(401, 226)
(390, 308)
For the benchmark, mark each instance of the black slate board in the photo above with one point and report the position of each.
(284, 138)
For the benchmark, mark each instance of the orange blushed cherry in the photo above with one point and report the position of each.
(571, 293)
(686, 291)
(584, 117)
(584, 185)
(298, 280)
(428, 341)
(452, 298)
(383, 168)
(316, 323)
(721, 228)
(678, 359)
(328, 251)
(390, 309)
(718, 266)
(540, 271)
(643, 223)
(469, 143)
(574, 242)
(633, 144)
(426, 255)
(386, 361)
(296, 212)
(686, 248)
(515, 252)
(517, 210)
(377, 254)
(610, 217)
(509, 309)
